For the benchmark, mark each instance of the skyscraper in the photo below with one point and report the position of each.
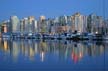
(22, 26)
(15, 24)
(61, 24)
(42, 23)
(5, 26)
(99, 24)
(63, 20)
(51, 26)
(69, 24)
(79, 22)
(42, 18)
(106, 26)
(35, 25)
(26, 25)
(31, 21)
(91, 23)
(72, 23)
(85, 24)
(95, 24)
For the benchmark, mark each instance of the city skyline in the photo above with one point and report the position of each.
(46, 18)
(54, 8)
(62, 24)
(58, 35)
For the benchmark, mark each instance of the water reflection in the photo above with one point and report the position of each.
(43, 50)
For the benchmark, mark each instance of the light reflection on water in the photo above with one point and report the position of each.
(53, 52)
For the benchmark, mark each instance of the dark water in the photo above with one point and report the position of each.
(35, 55)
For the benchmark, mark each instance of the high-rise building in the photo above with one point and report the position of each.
(15, 23)
(79, 22)
(63, 20)
(35, 23)
(42, 18)
(91, 23)
(85, 24)
(31, 20)
(72, 23)
(56, 21)
(42, 24)
(30, 25)
(22, 26)
(26, 25)
(95, 24)
(50, 26)
(99, 24)
(69, 24)
(5, 27)
(106, 26)
(61, 24)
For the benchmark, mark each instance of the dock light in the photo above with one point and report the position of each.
(96, 32)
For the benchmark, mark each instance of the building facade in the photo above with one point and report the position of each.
(15, 24)
(80, 23)
(95, 24)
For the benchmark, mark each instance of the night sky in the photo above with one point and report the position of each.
(51, 8)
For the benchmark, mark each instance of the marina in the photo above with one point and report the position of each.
(55, 36)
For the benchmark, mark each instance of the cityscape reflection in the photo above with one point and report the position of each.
(32, 49)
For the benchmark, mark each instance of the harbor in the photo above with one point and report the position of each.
(64, 36)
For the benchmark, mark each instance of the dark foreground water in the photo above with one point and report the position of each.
(35, 55)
